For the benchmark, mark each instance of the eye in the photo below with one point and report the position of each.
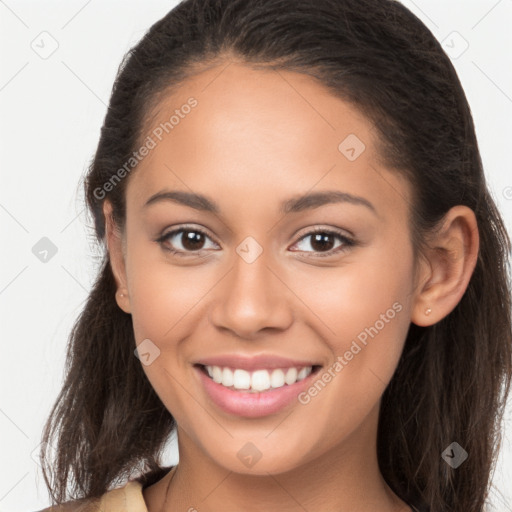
(191, 239)
(322, 240)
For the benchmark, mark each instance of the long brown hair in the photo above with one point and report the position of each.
(453, 377)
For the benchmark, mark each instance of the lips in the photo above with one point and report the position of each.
(251, 404)
(256, 362)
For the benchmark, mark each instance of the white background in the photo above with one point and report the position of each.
(51, 113)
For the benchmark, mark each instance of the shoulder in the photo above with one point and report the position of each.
(127, 498)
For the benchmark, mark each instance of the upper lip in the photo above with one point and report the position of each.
(250, 363)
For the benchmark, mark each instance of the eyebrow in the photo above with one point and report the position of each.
(295, 204)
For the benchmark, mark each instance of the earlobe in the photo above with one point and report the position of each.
(123, 300)
(452, 257)
(114, 243)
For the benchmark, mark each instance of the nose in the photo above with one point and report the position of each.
(251, 298)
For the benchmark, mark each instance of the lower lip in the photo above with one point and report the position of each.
(253, 405)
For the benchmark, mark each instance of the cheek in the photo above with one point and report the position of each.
(369, 283)
(163, 294)
(164, 300)
(366, 306)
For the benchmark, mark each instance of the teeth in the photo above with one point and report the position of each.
(258, 380)
(241, 379)
(227, 377)
(291, 376)
(277, 379)
(303, 373)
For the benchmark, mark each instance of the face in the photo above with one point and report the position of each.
(324, 281)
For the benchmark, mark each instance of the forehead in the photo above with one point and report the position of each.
(260, 134)
(281, 109)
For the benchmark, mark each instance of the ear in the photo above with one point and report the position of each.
(445, 270)
(117, 253)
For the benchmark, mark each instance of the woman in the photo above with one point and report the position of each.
(304, 275)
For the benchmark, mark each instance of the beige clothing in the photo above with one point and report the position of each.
(124, 499)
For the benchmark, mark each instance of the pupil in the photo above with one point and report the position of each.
(319, 241)
(191, 240)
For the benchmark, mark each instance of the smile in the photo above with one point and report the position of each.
(258, 380)
(255, 397)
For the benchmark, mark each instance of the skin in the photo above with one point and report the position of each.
(255, 139)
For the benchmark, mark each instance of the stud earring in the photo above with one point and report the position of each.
(428, 311)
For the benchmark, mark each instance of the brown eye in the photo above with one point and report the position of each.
(323, 241)
(184, 240)
(192, 240)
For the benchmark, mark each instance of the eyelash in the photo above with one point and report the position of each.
(347, 242)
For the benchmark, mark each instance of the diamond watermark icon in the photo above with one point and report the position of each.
(45, 45)
(454, 45)
(249, 454)
(44, 250)
(351, 147)
(454, 455)
(249, 250)
(147, 352)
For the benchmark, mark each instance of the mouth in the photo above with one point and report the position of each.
(249, 400)
(257, 381)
